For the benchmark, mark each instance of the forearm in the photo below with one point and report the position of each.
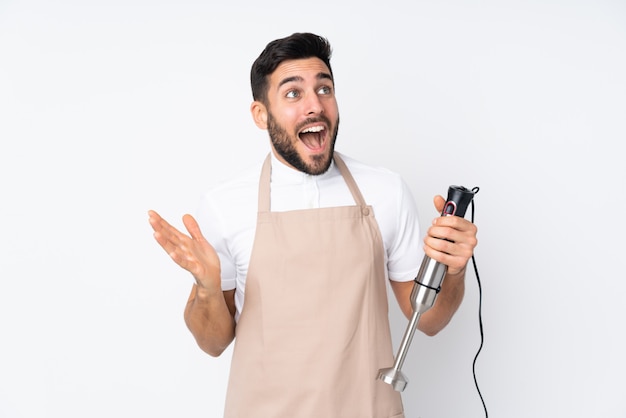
(210, 318)
(448, 301)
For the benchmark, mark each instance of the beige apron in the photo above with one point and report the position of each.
(314, 329)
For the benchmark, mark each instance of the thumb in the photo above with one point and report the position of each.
(192, 227)
(439, 202)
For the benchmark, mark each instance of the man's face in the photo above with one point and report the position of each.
(302, 114)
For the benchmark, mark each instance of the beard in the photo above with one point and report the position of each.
(285, 146)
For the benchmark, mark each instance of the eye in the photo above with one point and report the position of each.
(292, 94)
(325, 90)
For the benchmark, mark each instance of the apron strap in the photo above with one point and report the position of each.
(264, 185)
(347, 176)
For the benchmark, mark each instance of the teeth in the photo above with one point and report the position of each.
(313, 129)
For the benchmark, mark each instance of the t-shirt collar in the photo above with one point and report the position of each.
(284, 174)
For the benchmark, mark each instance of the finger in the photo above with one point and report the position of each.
(459, 236)
(179, 250)
(154, 219)
(442, 252)
(452, 255)
(441, 233)
(166, 235)
(176, 244)
(157, 222)
(168, 242)
(166, 230)
(455, 222)
(192, 227)
(462, 247)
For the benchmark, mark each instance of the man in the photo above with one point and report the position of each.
(294, 256)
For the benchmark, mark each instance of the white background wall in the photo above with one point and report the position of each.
(111, 108)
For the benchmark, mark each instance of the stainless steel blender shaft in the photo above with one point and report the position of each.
(394, 375)
(427, 285)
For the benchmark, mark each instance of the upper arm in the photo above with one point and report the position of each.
(229, 297)
(402, 291)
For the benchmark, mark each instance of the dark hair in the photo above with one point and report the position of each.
(296, 46)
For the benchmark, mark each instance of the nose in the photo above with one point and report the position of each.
(314, 105)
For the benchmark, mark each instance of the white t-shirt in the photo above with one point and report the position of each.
(228, 212)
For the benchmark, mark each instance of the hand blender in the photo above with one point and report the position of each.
(427, 285)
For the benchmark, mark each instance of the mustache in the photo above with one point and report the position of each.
(321, 118)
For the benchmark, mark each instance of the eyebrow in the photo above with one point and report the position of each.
(320, 76)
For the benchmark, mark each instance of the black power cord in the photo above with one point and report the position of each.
(480, 318)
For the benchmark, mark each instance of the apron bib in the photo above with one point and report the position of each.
(314, 329)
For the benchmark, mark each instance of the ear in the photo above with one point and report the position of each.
(259, 114)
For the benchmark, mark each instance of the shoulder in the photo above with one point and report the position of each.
(368, 176)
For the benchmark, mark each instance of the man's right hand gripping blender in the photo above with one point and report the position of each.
(425, 290)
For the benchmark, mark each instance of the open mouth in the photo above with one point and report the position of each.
(313, 137)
